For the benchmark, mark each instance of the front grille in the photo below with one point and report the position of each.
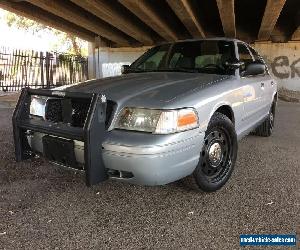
(80, 108)
(54, 110)
(76, 114)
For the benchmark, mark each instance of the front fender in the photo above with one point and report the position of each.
(207, 111)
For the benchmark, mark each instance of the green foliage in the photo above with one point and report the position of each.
(64, 42)
(20, 22)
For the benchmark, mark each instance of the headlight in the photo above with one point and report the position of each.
(176, 121)
(37, 106)
(138, 119)
(157, 121)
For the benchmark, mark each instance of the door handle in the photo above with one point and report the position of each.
(262, 84)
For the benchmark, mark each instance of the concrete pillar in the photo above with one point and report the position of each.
(91, 61)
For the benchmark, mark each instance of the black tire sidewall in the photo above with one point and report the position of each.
(265, 129)
(223, 122)
(272, 111)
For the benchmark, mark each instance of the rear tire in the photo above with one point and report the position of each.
(266, 128)
(218, 154)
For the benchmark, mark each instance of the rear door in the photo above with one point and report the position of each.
(253, 89)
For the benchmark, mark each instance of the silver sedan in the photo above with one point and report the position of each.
(178, 110)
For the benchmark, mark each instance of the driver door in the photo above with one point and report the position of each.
(253, 89)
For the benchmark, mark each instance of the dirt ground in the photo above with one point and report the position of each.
(45, 207)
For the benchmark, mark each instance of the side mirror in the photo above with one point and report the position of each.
(124, 69)
(254, 68)
(234, 64)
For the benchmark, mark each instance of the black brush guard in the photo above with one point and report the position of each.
(92, 133)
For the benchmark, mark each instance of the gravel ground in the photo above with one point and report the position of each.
(45, 207)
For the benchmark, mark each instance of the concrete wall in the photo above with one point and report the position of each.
(108, 61)
(283, 60)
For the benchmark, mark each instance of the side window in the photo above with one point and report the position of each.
(256, 56)
(244, 55)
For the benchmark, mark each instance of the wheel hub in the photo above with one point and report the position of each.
(215, 154)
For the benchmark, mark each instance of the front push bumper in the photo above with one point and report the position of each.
(91, 134)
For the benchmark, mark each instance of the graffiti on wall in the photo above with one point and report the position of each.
(284, 68)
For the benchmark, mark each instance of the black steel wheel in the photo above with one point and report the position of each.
(266, 128)
(218, 154)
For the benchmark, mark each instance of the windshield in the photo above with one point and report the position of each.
(207, 56)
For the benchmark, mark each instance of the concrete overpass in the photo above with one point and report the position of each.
(147, 22)
(120, 30)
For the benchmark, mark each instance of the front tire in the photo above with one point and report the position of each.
(218, 154)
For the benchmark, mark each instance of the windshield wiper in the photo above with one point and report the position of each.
(188, 70)
(135, 70)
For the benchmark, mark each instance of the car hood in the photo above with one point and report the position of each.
(154, 88)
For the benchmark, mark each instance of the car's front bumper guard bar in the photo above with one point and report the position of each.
(92, 133)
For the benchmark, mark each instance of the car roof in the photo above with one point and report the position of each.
(207, 39)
